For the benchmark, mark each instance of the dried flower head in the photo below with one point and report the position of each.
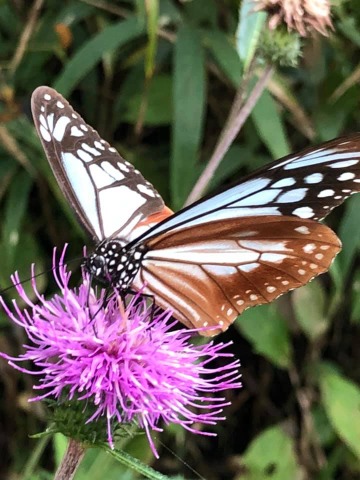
(300, 15)
(127, 363)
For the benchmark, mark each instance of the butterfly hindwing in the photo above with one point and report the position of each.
(209, 278)
(108, 194)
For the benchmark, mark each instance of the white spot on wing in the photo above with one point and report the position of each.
(346, 176)
(291, 196)
(99, 145)
(86, 157)
(91, 150)
(284, 182)
(76, 132)
(45, 133)
(344, 164)
(146, 190)
(309, 247)
(60, 127)
(326, 193)
(122, 166)
(303, 229)
(304, 212)
(314, 178)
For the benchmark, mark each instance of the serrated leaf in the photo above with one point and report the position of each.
(341, 399)
(309, 304)
(188, 111)
(266, 330)
(271, 456)
(112, 37)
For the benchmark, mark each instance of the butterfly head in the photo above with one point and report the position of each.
(113, 263)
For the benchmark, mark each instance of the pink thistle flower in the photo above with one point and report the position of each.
(127, 363)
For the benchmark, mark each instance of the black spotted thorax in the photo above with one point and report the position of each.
(115, 263)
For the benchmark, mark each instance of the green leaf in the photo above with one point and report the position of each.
(59, 444)
(330, 119)
(271, 456)
(249, 29)
(74, 13)
(270, 126)
(235, 158)
(266, 330)
(310, 309)
(349, 232)
(16, 206)
(355, 303)
(225, 54)
(341, 399)
(158, 105)
(112, 37)
(188, 111)
(27, 250)
(152, 17)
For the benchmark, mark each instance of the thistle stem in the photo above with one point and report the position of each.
(232, 127)
(73, 456)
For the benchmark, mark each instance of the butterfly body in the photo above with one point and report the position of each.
(239, 248)
(115, 263)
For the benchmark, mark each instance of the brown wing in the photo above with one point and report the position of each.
(208, 275)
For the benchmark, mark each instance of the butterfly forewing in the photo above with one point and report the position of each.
(307, 185)
(209, 278)
(109, 195)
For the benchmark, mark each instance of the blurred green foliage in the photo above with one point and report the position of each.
(157, 80)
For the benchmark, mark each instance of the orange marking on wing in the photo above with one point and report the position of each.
(156, 217)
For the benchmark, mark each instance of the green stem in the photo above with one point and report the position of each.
(34, 459)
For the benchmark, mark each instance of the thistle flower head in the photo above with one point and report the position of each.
(126, 362)
(300, 15)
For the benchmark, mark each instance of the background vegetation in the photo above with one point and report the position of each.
(158, 84)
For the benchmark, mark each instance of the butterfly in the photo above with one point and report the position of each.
(210, 261)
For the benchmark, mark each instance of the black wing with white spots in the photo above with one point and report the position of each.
(109, 195)
(307, 185)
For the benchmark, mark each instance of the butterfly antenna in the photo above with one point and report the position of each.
(29, 279)
(182, 461)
